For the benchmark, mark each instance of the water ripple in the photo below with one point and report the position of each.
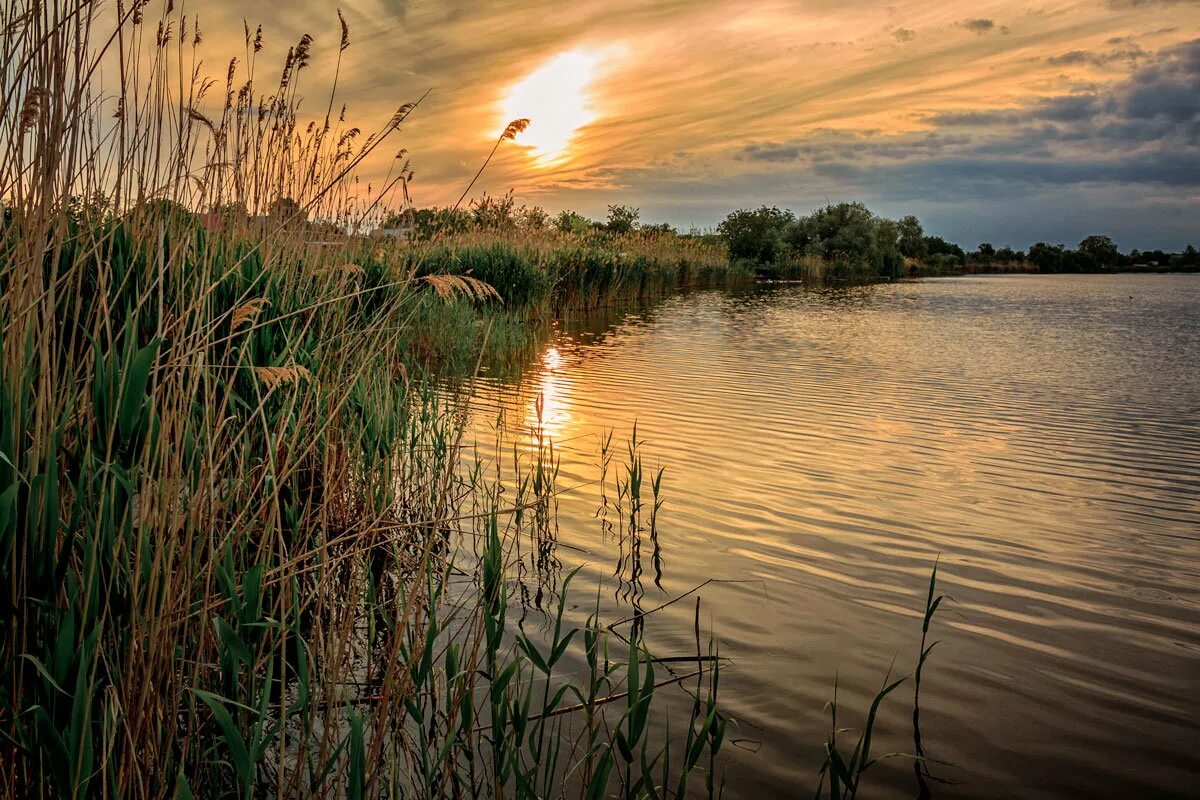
(1042, 434)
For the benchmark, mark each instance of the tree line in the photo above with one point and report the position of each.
(503, 214)
(851, 235)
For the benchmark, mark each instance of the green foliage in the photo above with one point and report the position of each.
(622, 219)
(937, 246)
(572, 223)
(1046, 257)
(1102, 249)
(841, 776)
(756, 235)
(429, 223)
(912, 242)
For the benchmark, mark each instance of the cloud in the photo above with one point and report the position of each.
(769, 151)
(781, 102)
(1129, 54)
(979, 25)
(1136, 137)
(1137, 4)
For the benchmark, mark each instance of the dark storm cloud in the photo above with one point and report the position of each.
(1144, 130)
(975, 172)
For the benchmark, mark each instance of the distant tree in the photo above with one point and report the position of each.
(160, 208)
(912, 238)
(1006, 255)
(937, 246)
(430, 222)
(1079, 261)
(985, 253)
(659, 229)
(399, 219)
(494, 213)
(232, 212)
(93, 208)
(1190, 257)
(1046, 257)
(622, 219)
(533, 218)
(756, 235)
(1101, 248)
(572, 222)
(885, 254)
(844, 232)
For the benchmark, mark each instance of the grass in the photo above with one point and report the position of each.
(546, 272)
(244, 551)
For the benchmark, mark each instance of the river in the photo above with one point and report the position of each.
(1039, 435)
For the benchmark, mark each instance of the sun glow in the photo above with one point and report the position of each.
(556, 98)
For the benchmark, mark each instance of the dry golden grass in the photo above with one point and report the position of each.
(450, 286)
(246, 312)
(276, 376)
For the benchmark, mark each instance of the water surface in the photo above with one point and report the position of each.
(1039, 434)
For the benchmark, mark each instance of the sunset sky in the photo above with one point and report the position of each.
(1005, 121)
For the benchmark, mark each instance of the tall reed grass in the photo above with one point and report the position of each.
(545, 272)
(243, 550)
(229, 509)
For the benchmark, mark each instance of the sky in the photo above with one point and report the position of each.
(1007, 121)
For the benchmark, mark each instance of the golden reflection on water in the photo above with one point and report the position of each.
(549, 406)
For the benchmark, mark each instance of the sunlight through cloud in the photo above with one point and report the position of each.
(557, 100)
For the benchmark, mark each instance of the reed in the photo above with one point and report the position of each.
(240, 551)
(546, 272)
(244, 551)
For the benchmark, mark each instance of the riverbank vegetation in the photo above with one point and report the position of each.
(846, 241)
(243, 550)
(1094, 254)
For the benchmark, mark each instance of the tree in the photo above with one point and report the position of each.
(494, 213)
(1047, 257)
(937, 246)
(885, 255)
(95, 208)
(1006, 255)
(430, 222)
(756, 235)
(1102, 249)
(845, 232)
(533, 218)
(622, 219)
(912, 238)
(572, 222)
(985, 253)
(232, 212)
(1079, 261)
(659, 229)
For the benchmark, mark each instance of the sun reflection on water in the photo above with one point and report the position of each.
(549, 407)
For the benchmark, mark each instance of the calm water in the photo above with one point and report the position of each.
(1040, 434)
